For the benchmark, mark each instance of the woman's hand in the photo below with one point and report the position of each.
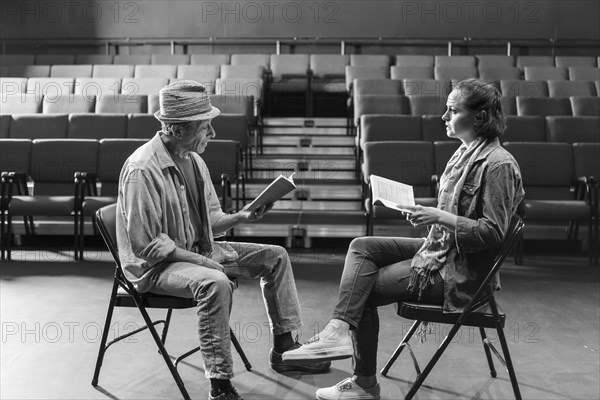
(425, 216)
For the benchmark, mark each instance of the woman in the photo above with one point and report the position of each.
(480, 190)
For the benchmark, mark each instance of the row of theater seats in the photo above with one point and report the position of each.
(75, 177)
(306, 60)
(560, 180)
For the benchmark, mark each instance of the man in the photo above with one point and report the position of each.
(168, 214)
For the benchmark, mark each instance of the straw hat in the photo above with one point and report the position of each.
(184, 101)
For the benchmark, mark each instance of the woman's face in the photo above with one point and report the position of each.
(459, 120)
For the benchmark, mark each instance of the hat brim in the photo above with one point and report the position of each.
(214, 111)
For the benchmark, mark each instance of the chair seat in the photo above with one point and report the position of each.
(293, 85)
(42, 205)
(557, 210)
(329, 86)
(92, 204)
(434, 313)
(153, 300)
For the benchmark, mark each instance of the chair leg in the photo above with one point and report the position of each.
(509, 364)
(8, 238)
(400, 347)
(421, 378)
(76, 254)
(488, 354)
(165, 329)
(240, 351)
(102, 350)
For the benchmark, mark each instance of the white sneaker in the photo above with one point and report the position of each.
(349, 390)
(325, 346)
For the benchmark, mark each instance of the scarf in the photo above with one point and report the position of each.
(439, 247)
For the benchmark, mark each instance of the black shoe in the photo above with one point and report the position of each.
(306, 366)
(229, 394)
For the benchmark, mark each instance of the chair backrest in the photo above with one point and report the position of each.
(250, 59)
(13, 85)
(575, 61)
(433, 128)
(543, 106)
(247, 88)
(410, 60)
(328, 65)
(584, 73)
(242, 71)
(106, 222)
(499, 73)
(365, 72)
(495, 61)
(442, 151)
(535, 61)
(122, 104)
(38, 126)
(29, 71)
(566, 129)
(455, 73)
(131, 59)
(514, 88)
(430, 87)
(15, 155)
(377, 86)
(411, 72)
(585, 106)
(5, 125)
(112, 154)
(587, 162)
(20, 103)
(376, 128)
(142, 126)
(68, 104)
(223, 157)
(571, 88)
(71, 71)
(52, 59)
(369, 60)
(283, 65)
(454, 61)
(97, 126)
(143, 86)
(210, 59)
(427, 104)
(205, 74)
(155, 71)
(17, 59)
(380, 104)
(98, 87)
(93, 59)
(113, 71)
(169, 59)
(546, 73)
(525, 128)
(231, 127)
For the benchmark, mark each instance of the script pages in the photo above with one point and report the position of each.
(391, 194)
(276, 190)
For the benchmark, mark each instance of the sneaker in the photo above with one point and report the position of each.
(325, 346)
(279, 366)
(349, 390)
(230, 394)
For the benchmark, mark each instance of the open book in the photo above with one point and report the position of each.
(391, 194)
(277, 189)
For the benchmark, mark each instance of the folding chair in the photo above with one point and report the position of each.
(481, 312)
(124, 294)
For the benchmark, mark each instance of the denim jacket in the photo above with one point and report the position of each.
(490, 196)
(152, 209)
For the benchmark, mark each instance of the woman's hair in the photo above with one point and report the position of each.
(485, 101)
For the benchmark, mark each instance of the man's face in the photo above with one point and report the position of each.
(197, 136)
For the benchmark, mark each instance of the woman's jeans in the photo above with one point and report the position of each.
(376, 273)
(213, 292)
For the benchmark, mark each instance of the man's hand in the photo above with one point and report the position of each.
(257, 214)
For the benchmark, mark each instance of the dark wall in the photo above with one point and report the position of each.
(164, 19)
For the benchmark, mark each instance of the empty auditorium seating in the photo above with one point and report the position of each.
(454, 61)
(288, 82)
(514, 88)
(455, 73)
(29, 71)
(379, 128)
(410, 60)
(411, 72)
(20, 103)
(548, 176)
(142, 86)
(53, 165)
(205, 74)
(97, 87)
(38, 126)
(169, 59)
(131, 59)
(97, 126)
(365, 72)
(13, 85)
(495, 61)
(209, 59)
(51, 88)
(113, 71)
(433, 128)
(425, 104)
(155, 71)
(380, 104)
(566, 129)
(377, 86)
(251, 59)
(71, 71)
(142, 126)
(585, 106)
(531, 128)
(234, 127)
(51, 59)
(122, 104)
(535, 61)
(492, 73)
(328, 84)
(93, 59)
(571, 88)
(543, 106)
(546, 73)
(17, 59)
(380, 60)
(68, 104)
(407, 162)
(584, 73)
(575, 61)
(429, 87)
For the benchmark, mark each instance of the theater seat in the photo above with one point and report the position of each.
(585, 106)
(543, 106)
(97, 126)
(38, 126)
(573, 129)
(531, 128)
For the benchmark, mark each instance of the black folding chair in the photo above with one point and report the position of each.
(124, 294)
(482, 312)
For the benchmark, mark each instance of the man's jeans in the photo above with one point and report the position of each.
(213, 291)
(377, 272)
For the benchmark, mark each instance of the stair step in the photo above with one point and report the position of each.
(315, 140)
(314, 205)
(319, 175)
(305, 122)
(315, 191)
